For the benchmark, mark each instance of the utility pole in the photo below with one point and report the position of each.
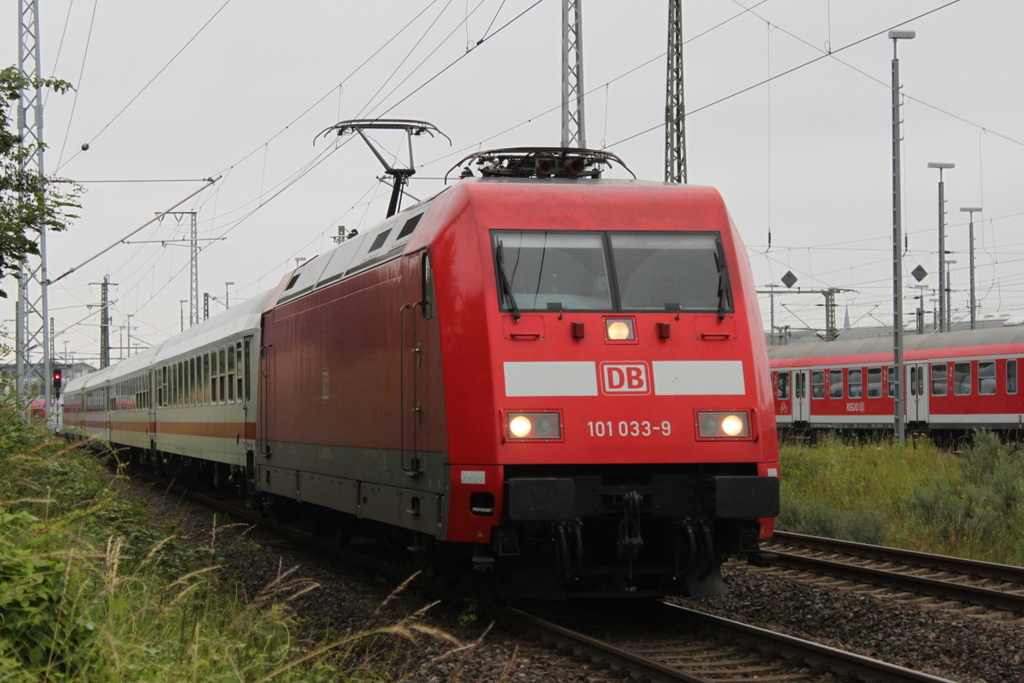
(944, 317)
(675, 110)
(974, 306)
(32, 315)
(193, 271)
(831, 332)
(573, 119)
(104, 320)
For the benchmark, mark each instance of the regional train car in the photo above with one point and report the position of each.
(560, 382)
(953, 382)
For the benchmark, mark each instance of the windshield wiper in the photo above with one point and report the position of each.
(723, 288)
(503, 283)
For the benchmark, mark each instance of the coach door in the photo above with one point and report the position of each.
(917, 392)
(417, 308)
(800, 406)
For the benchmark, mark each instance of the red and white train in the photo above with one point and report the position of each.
(561, 382)
(953, 382)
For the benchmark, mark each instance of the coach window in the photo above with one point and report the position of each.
(835, 383)
(238, 371)
(856, 383)
(874, 382)
(986, 377)
(891, 373)
(231, 374)
(214, 371)
(220, 380)
(940, 384)
(247, 366)
(962, 379)
(783, 387)
(817, 384)
(1011, 376)
(206, 378)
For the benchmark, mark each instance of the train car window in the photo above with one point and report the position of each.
(206, 378)
(835, 383)
(220, 379)
(782, 392)
(673, 271)
(231, 374)
(818, 384)
(874, 382)
(940, 384)
(238, 370)
(1011, 376)
(542, 270)
(962, 379)
(248, 360)
(891, 374)
(427, 295)
(855, 378)
(986, 377)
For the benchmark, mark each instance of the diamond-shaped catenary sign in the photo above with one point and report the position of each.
(789, 279)
(919, 273)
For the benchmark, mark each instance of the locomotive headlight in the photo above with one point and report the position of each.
(717, 425)
(543, 426)
(520, 426)
(619, 329)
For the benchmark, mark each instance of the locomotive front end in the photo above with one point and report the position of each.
(631, 445)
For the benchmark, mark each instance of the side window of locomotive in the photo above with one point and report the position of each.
(783, 388)
(538, 270)
(856, 383)
(817, 384)
(674, 271)
(427, 309)
(962, 379)
(986, 377)
(835, 383)
(874, 382)
(1011, 376)
(939, 383)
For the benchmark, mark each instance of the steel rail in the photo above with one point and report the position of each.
(991, 598)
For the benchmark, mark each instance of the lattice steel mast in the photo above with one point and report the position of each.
(675, 111)
(33, 332)
(573, 119)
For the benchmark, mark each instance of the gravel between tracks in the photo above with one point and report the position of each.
(958, 646)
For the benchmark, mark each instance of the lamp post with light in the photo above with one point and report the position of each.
(899, 418)
(970, 234)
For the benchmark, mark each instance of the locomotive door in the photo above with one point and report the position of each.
(800, 407)
(917, 392)
(416, 310)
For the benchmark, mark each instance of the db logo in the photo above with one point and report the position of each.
(625, 378)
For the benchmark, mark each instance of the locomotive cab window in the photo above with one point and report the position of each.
(1011, 376)
(986, 377)
(539, 270)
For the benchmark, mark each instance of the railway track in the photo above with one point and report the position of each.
(992, 587)
(658, 641)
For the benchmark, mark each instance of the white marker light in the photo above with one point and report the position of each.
(732, 425)
(520, 426)
(619, 330)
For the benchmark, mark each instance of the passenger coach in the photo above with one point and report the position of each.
(558, 382)
(954, 382)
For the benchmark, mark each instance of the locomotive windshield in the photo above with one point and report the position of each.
(611, 271)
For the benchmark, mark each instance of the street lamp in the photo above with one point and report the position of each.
(944, 317)
(899, 418)
(970, 232)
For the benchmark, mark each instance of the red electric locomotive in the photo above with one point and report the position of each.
(560, 381)
(953, 382)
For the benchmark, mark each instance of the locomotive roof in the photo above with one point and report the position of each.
(912, 342)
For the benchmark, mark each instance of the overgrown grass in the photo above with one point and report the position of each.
(92, 590)
(915, 496)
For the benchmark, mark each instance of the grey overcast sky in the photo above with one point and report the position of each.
(239, 89)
